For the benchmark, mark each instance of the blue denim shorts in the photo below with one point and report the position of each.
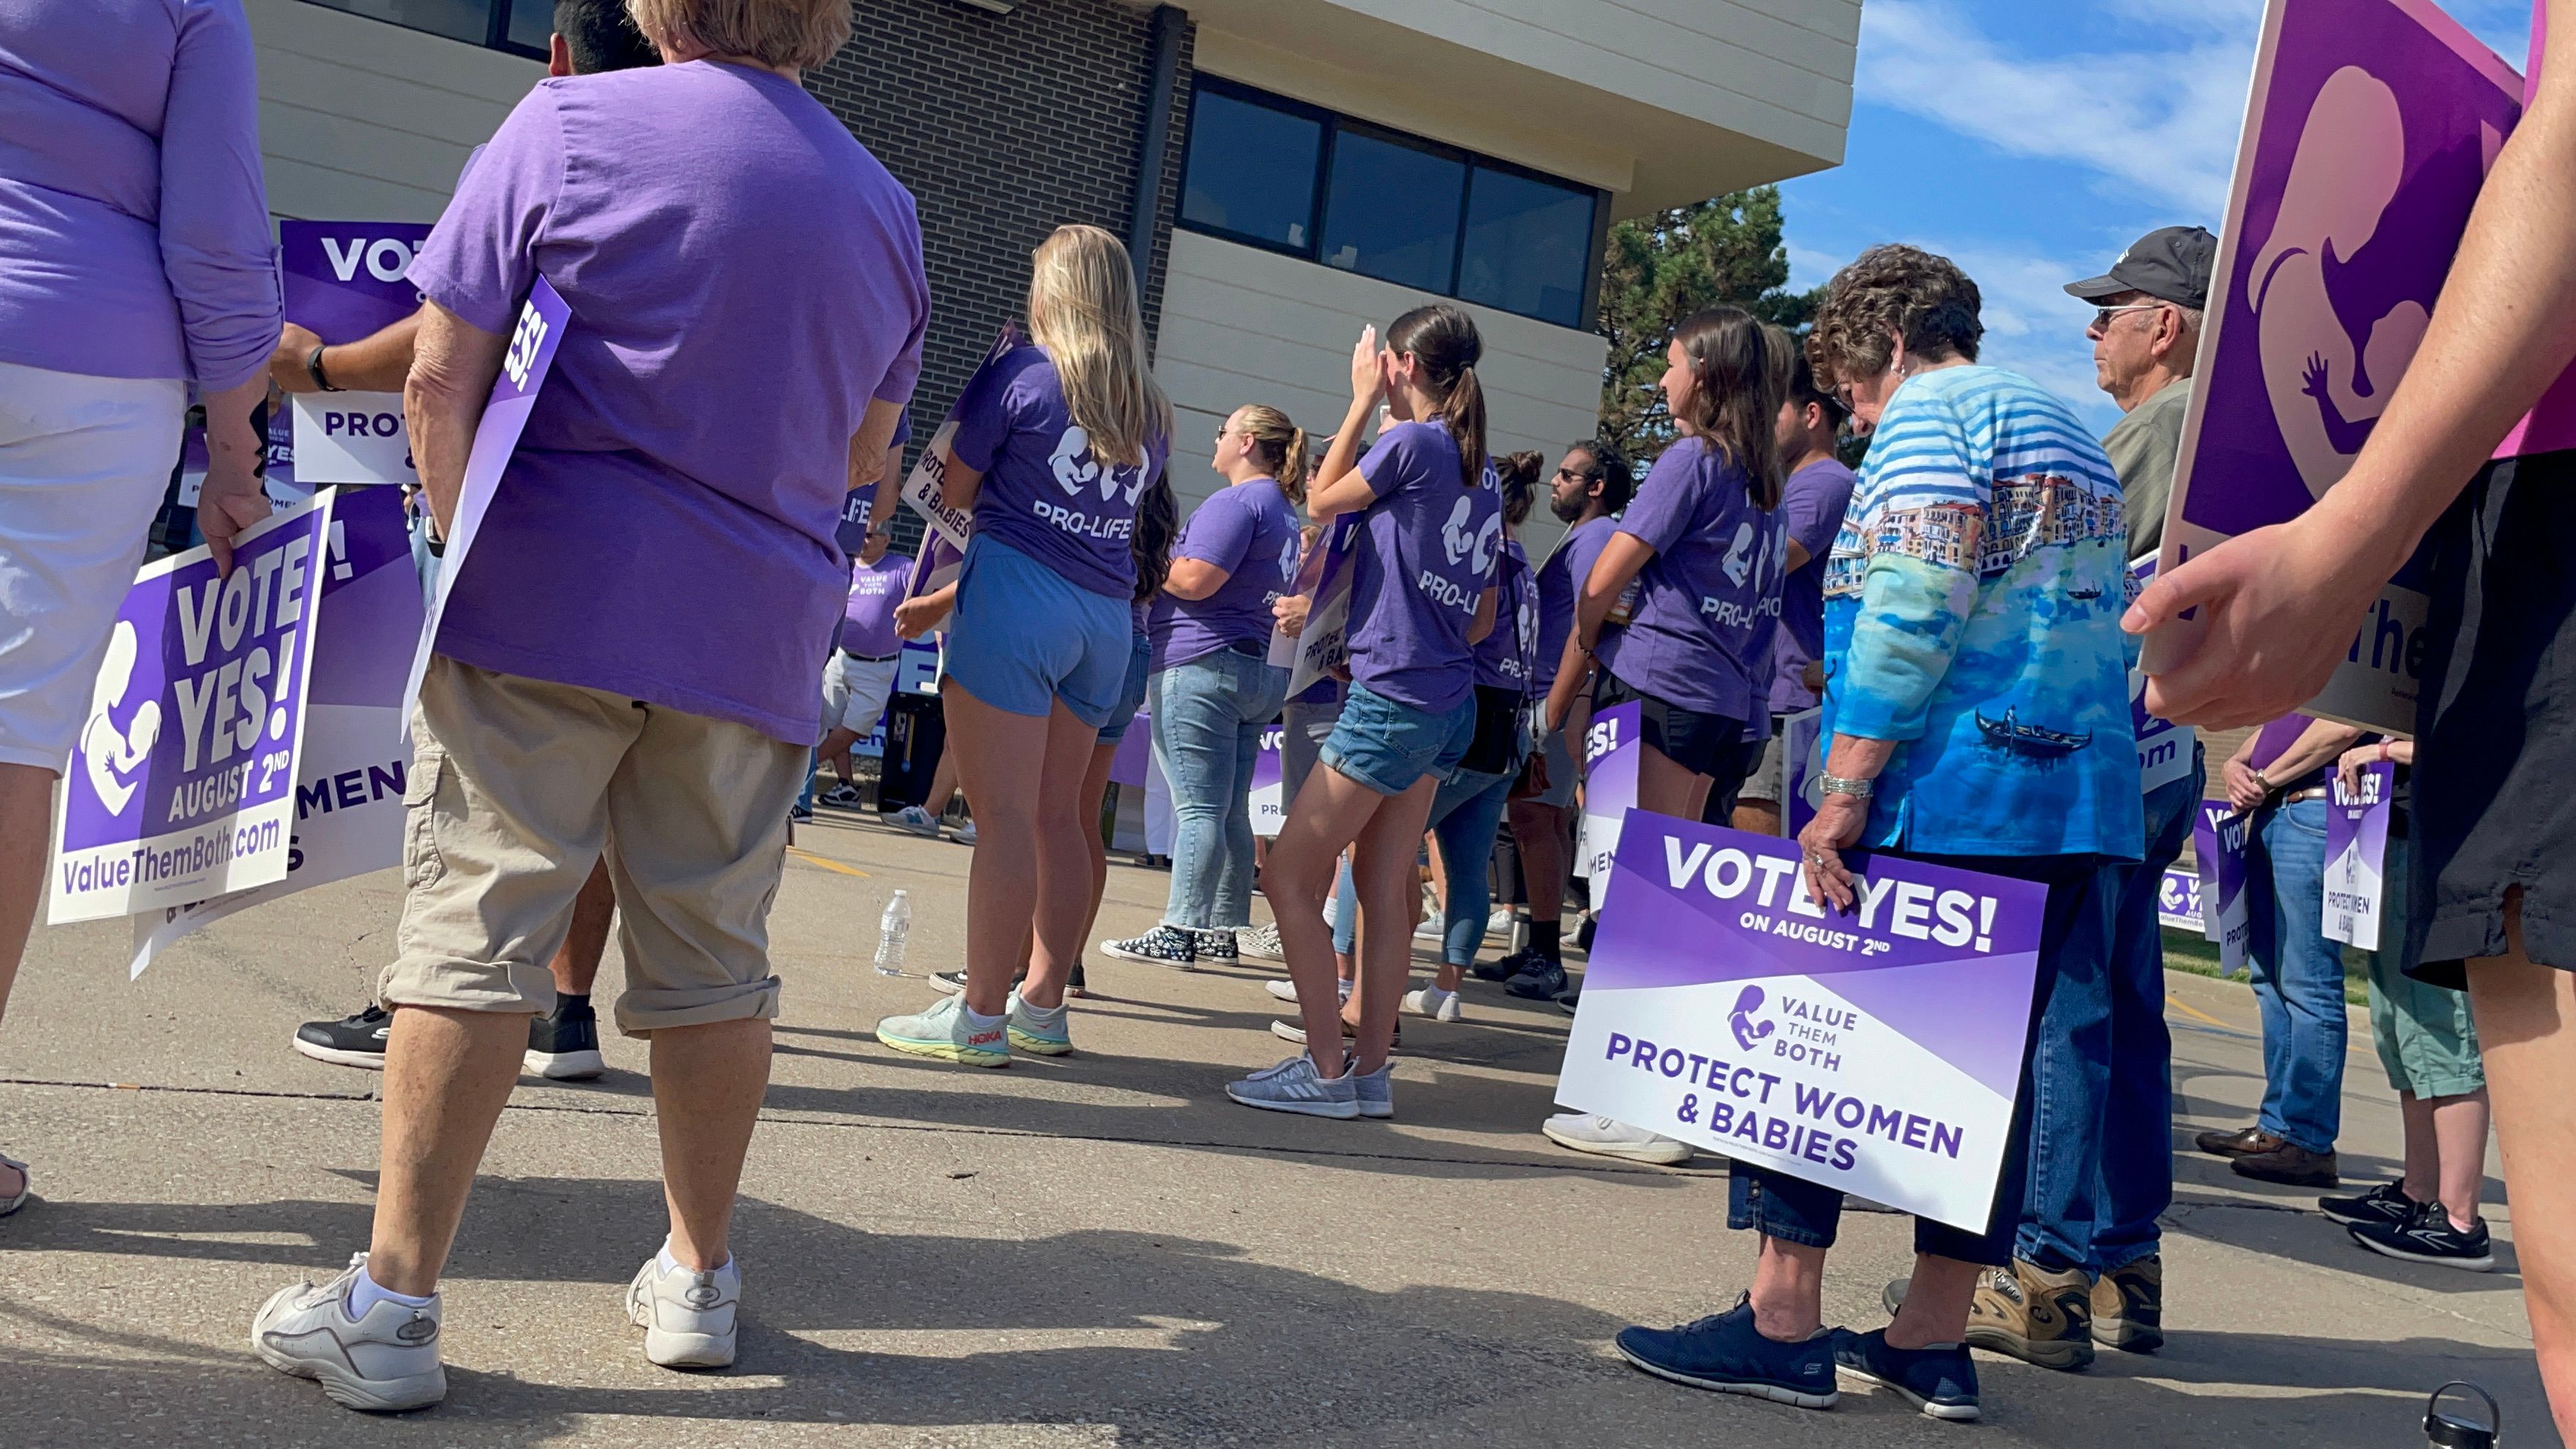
(1023, 637)
(1131, 695)
(1389, 746)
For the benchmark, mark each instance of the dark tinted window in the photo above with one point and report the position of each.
(1527, 244)
(1391, 211)
(1252, 170)
(532, 22)
(526, 23)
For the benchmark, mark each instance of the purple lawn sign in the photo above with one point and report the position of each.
(345, 280)
(1877, 1052)
(514, 395)
(2369, 130)
(2218, 846)
(2166, 751)
(1324, 578)
(182, 784)
(925, 488)
(2178, 900)
(1269, 802)
(1610, 749)
(348, 778)
(2357, 855)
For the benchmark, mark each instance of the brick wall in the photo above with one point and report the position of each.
(1004, 127)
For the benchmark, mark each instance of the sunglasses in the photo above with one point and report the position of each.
(2102, 316)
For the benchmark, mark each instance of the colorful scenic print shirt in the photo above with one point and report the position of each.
(1972, 608)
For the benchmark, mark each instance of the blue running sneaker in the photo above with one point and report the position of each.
(1940, 1380)
(1376, 1089)
(1727, 1354)
(1295, 1086)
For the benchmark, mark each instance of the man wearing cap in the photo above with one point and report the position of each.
(2144, 335)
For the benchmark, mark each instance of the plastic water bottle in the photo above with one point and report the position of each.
(2449, 1431)
(892, 930)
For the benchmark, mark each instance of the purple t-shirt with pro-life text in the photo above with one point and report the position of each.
(1044, 492)
(852, 534)
(1503, 656)
(867, 617)
(1560, 584)
(1812, 501)
(665, 530)
(1426, 552)
(1247, 531)
(1707, 601)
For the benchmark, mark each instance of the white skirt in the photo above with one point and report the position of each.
(84, 465)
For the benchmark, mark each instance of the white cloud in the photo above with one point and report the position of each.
(2161, 123)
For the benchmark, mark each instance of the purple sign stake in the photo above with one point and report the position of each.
(1878, 1052)
(514, 395)
(182, 784)
(2369, 130)
(2357, 855)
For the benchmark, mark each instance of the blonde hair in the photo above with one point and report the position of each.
(801, 33)
(1082, 310)
(1279, 444)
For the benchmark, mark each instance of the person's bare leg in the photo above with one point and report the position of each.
(2459, 1124)
(1064, 871)
(707, 1086)
(1936, 1303)
(2526, 1015)
(1539, 830)
(1001, 758)
(1095, 792)
(2423, 1178)
(447, 1075)
(576, 963)
(1304, 860)
(1390, 907)
(943, 776)
(1788, 1291)
(1666, 788)
(836, 748)
(1761, 817)
(26, 820)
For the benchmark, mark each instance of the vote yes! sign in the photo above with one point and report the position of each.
(1878, 1052)
(345, 280)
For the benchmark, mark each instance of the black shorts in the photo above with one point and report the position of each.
(2496, 724)
(1704, 744)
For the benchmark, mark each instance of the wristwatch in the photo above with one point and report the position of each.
(1857, 789)
(313, 368)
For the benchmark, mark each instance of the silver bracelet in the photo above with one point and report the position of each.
(1837, 785)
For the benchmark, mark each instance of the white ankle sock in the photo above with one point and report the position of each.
(978, 1021)
(366, 1293)
(667, 1265)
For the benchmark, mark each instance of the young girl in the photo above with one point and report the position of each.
(1421, 596)
(1053, 466)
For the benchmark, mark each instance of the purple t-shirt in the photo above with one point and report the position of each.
(665, 529)
(852, 534)
(2273, 741)
(1426, 551)
(1812, 500)
(1503, 657)
(1560, 583)
(1248, 531)
(1043, 491)
(1708, 599)
(867, 618)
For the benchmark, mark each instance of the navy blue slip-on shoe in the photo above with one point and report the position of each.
(1941, 1380)
(1726, 1354)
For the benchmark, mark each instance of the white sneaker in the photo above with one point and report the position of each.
(915, 819)
(382, 1363)
(1431, 929)
(964, 834)
(1258, 942)
(1287, 990)
(1435, 1003)
(687, 1316)
(1594, 1133)
(1500, 922)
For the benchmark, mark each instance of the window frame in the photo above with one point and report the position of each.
(1247, 95)
(1588, 296)
(496, 28)
(1407, 141)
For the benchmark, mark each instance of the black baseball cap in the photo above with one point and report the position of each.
(2171, 265)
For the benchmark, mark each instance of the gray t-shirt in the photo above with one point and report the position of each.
(2143, 447)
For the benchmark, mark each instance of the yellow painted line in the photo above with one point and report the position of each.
(2178, 1004)
(810, 858)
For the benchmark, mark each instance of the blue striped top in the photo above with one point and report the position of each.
(1972, 604)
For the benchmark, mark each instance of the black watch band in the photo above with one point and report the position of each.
(313, 368)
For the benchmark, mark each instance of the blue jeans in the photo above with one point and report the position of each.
(2101, 1126)
(2298, 974)
(1465, 817)
(2075, 936)
(1208, 718)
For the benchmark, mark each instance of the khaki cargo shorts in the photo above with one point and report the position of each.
(518, 785)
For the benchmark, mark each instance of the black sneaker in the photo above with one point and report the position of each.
(1161, 946)
(564, 1044)
(1540, 980)
(2430, 1238)
(2386, 1203)
(1217, 948)
(843, 797)
(352, 1041)
(1569, 999)
(1583, 934)
(1506, 968)
(1073, 985)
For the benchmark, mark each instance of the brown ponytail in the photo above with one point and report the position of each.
(1445, 345)
(1280, 445)
(1739, 380)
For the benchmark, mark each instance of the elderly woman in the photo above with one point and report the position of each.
(1978, 714)
(631, 649)
(134, 260)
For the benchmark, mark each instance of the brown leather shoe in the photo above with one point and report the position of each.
(2291, 1165)
(2245, 1142)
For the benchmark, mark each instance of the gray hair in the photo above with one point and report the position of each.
(801, 33)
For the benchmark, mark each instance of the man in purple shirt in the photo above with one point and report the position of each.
(859, 678)
(632, 646)
(134, 260)
(1812, 500)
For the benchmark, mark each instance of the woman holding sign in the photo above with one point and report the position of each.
(1056, 462)
(1421, 596)
(1978, 717)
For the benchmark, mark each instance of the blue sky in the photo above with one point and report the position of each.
(2032, 140)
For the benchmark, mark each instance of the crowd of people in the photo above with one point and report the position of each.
(603, 746)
